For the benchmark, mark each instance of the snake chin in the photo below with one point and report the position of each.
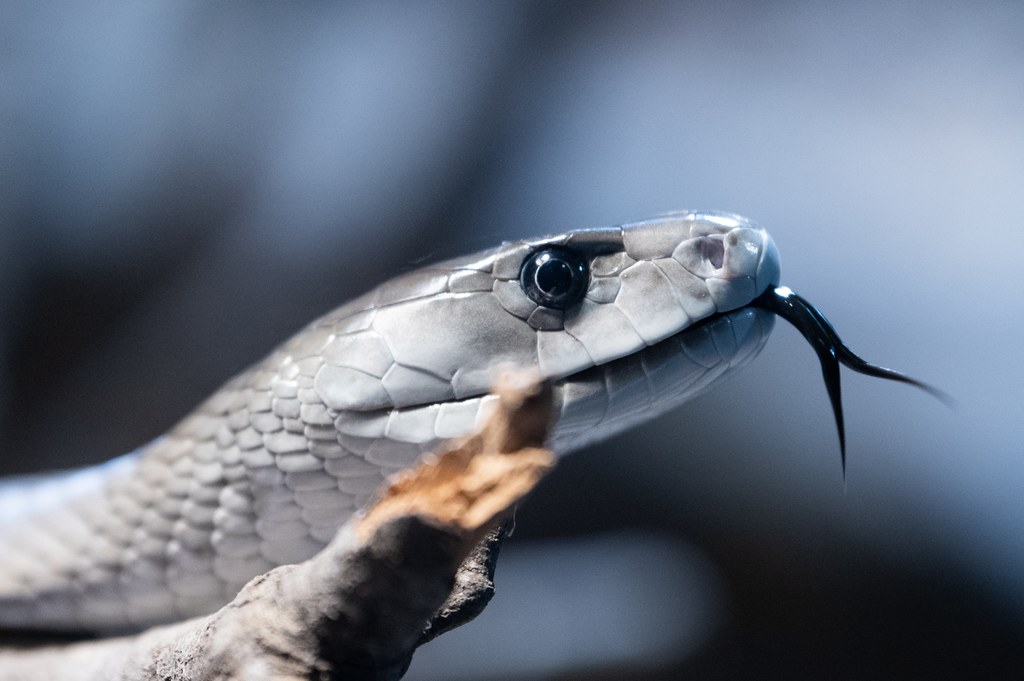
(610, 398)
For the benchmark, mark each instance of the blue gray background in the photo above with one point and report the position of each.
(184, 184)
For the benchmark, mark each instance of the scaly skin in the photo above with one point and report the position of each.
(266, 470)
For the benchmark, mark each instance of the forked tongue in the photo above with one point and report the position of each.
(831, 352)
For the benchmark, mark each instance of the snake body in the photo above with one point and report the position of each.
(266, 470)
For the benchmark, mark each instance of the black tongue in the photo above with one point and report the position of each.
(831, 351)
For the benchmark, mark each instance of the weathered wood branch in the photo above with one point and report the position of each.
(418, 563)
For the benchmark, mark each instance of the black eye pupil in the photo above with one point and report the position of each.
(554, 277)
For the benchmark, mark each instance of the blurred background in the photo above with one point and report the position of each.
(184, 184)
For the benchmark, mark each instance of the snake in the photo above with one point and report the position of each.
(626, 322)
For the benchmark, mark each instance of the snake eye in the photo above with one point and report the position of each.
(554, 277)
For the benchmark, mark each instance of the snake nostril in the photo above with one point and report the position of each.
(713, 250)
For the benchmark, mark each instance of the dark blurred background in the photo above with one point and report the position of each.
(184, 184)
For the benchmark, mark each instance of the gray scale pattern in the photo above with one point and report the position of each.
(265, 471)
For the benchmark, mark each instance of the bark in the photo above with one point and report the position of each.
(418, 563)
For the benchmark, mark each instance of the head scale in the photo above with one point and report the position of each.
(590, 299)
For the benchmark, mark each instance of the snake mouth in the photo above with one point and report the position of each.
(609, 398)
(831, 351)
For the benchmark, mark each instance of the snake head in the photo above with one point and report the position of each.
(562, 304)
(590, 309)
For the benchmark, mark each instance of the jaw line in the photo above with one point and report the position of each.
(664, 399)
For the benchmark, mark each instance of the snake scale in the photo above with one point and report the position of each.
(628, 322)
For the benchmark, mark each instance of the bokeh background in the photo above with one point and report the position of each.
(184, 184)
